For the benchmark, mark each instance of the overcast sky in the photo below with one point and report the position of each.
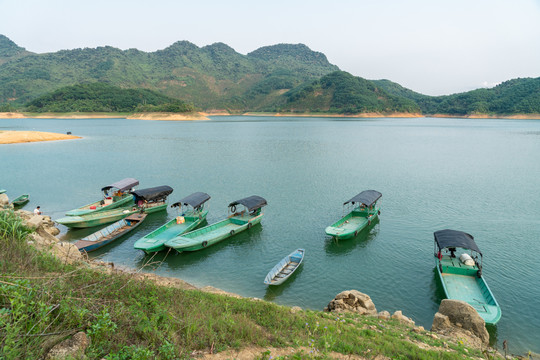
(431, 46)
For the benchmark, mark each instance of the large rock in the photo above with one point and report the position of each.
(456, 317)
(72, 348)
(4, 200)
(352, 301)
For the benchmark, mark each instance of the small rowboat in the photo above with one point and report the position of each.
(2, 191)
(21, 200)
(120, 197)
(191, 214)
(285, 268)
(233, 224)
(362, 210)
(110, 233)
(461, 274)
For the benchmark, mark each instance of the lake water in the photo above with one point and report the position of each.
(479, 176)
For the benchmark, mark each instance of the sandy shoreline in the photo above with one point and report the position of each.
(15, 137)
(205, 116)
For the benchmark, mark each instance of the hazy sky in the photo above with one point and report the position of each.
(430, 46)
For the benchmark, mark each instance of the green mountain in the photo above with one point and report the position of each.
(341, 92)
(283, 77)
(517, 96)
(211, 77)
(101, 97)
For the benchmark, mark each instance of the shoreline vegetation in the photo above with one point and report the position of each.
(58, 299)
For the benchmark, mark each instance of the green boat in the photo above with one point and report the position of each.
(360, 211)
(2, 191)
(21, 200)
(147, 201)
(114, 196)
(232, 225)
(191, 214)
(460, 273)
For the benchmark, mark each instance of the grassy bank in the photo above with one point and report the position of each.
(43, 301)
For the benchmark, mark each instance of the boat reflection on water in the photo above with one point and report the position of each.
(340, 247)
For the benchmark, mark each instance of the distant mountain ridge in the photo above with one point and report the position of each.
(278, 78)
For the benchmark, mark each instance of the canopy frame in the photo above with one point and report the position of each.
(195, 200)
(155, 194)
(366, 197)
(122, 185)
(252, 203)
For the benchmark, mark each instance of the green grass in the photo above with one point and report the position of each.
(43, 301)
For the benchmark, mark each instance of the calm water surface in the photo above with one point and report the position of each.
(479, 176)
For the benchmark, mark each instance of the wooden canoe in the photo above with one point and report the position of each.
(285, 268)
(110, 233)
(21, 200)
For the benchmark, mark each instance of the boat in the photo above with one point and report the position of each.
(147, 200)
(285, 268)
(191, 215)
(21, 200)
(114, 196)
(235, 223)
(459, 265)
(2, 191)
(110, 233)
(360, 211)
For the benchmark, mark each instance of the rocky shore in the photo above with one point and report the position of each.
(455, 322)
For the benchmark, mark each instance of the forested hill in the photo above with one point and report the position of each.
(101, 97)
(9, 50)
(278, 78)
(341, 92)
(211, 77)
(517, 96)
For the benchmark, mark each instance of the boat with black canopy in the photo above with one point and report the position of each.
(114, 196)
(191, 214)
(238, 221)
(146, 200)
(459, 265)
(360, 211)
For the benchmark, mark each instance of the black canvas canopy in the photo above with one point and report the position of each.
(195, 200)
(367, 197)
(252, 202)
(153, 194)
(454, 238)
(122, 185)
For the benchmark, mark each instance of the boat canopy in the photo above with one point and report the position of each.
(252, 202)
(122, 185)
(454, 238)
(367, 197)
(195, 200)
(153, 194)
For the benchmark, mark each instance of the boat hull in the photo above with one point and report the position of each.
(212, 234)
(461, 282)
(21, 200)
(285, 268)
(155, 241)
(352, 224)
(105, 217)
(110, 233)
(125, 200)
